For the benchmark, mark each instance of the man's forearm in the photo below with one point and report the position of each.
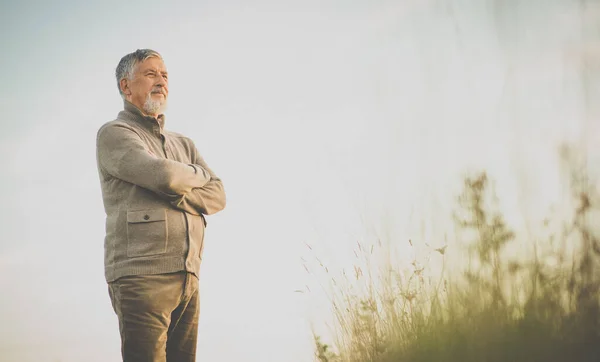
(206, 200)
(122, 154)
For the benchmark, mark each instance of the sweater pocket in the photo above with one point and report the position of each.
(146, 232)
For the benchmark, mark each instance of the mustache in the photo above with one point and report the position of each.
(159, 90)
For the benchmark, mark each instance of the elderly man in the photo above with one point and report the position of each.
(157, 190)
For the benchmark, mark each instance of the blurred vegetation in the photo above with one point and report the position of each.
(499, 308)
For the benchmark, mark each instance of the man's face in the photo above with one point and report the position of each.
(149, 88)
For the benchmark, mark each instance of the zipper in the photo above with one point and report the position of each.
(163, 143)
(185, 216)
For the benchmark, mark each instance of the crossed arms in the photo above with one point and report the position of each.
(193, 188)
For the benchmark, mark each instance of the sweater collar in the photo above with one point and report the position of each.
(136, 114)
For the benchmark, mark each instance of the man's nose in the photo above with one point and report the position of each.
(161, 81)
(162, 86)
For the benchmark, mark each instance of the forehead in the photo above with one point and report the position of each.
(153, 63)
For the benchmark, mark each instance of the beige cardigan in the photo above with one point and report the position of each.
(156, 190)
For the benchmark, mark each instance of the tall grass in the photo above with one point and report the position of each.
(497, 308)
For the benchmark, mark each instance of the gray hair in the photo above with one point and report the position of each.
(127, 64)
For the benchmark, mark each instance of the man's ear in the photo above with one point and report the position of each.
(124, 84)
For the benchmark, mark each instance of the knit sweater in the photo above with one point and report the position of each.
(156, 190)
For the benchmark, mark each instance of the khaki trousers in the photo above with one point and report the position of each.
(158, 316)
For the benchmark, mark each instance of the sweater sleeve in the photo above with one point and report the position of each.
(122, 154)
(206, 200)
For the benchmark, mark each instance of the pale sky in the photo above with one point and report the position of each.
(319, 116)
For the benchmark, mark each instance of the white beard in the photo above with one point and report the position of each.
(154, 107)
